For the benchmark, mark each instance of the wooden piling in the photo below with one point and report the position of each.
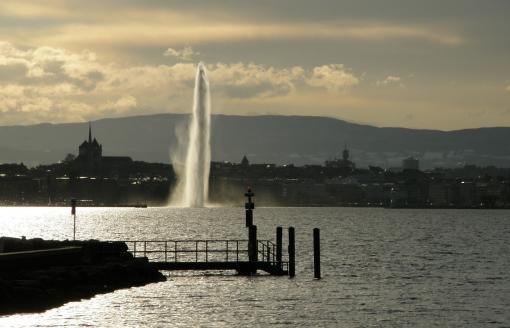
(316, 254)
(249, 217)
(252, 247)
(252, 243)
(279, 246)
(292, 253)
(73, 213)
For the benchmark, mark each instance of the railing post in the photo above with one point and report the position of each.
(175, 251)
(227, 251)
(292, 253)
(273, 254)
(316, 253)
(237, 250)
(263, 251)
(134, 249)
(279, 246)
(166, 251)
(206, 250)
(268, 251)
(196, 251)
(144, 249)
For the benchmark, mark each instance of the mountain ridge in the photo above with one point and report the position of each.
(264, 139)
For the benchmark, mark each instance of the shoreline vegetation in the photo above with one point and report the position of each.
(37, 275)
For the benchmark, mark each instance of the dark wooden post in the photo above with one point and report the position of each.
(252, 243)
(292, 253)
(252, 248)
(73, 213)
(249, 206)
(249, 217)
(279, 247)
(316, 253)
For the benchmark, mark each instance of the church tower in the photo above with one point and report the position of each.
(345, 153)
(90, 151)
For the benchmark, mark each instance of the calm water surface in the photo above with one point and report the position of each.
(381, 268)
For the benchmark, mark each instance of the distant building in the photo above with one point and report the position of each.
(90, 159)
(411, 163)
(245, 162)
(439, 193)
(90, 152)
(343, 163)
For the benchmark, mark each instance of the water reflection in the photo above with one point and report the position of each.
(381, 268)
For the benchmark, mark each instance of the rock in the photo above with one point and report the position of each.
(103, 267)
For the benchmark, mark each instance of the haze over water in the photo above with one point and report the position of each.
(381, 268)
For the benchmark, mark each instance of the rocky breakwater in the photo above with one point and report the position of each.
(37, 274)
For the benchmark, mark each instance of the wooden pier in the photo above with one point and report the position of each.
(212, 255)
(246, 256)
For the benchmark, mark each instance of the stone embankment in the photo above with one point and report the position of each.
(38, 274)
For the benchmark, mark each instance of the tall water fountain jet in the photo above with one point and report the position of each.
(198, 157)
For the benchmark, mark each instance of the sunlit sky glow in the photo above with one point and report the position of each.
(420, 64)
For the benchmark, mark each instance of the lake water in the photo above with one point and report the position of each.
(381, 268)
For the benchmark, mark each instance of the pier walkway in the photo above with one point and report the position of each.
(236, 255)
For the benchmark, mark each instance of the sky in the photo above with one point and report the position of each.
(401, 63)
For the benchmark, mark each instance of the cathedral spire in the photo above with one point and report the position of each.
(345, 153)
(90, 133)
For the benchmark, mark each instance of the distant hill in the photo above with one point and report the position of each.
(264, 139)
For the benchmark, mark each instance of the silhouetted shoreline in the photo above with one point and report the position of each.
(37, 274)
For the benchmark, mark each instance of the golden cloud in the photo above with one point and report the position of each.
(89, 24)
(68, 86)
(154, 34)
(333, 77)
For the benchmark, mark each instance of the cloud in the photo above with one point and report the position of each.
(333, 77)
(390, 79)
(122, 105)
(53, 84)
(47, 65)
(82, 24)
(241, 80)
(507, 88)
(159, 34)
(185, 53)
(33, 9)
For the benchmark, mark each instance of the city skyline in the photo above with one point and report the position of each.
(398, 63)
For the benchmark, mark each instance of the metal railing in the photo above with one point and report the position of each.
(267, 250)
(216, 250)
(190, 250)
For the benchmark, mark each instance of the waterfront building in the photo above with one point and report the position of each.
(345, 164)
(411, 163)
